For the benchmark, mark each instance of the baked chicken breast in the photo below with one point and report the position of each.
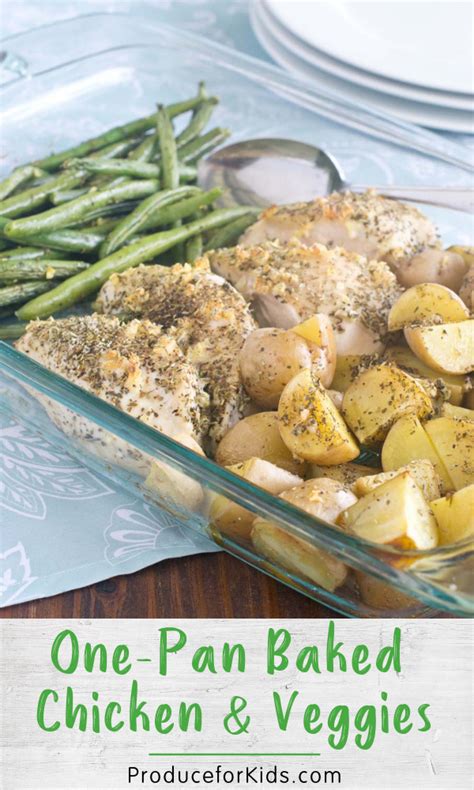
(206, 316)
(287, 283)
(133, 366)
(366, 223)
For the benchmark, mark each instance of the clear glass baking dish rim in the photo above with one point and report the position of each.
(359, 553)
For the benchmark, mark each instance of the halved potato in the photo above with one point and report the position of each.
(257, 436)
(235, 520)
(468, 400)
(466, 291)
(453, 441)
(407, 441)
(455, 515)
(347, 474)
(381, 595)
(426, 301)
(394, 513)
(448, 348)
(422, 471)
(323, 498)
(310, 424)
(297, 556)
(405, 359)
(319, 334)
(432, 265)
(466, 253)
(378, 398)
(349, 366)
(448, 410)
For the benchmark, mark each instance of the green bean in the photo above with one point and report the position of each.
(12, 331)
(139, 218)
(168, 214)
(193, 151)
(78, 241)
(66, 195)
(168, 150)
(13, 294)
(229, 234)
(116, 150)
(144, 151)
(128, 167)
(18, 177)
(29, 199)
(26, 254)
(61, 216)
(193, 248)
(198, 122)
(48, 268)
(114, 210)
(87, 282)
(114, 135)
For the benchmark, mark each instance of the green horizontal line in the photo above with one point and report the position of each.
(148, 660)
(234, 754)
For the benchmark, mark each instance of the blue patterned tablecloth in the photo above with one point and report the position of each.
(62, 526)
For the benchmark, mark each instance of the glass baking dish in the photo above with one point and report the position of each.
(48, 104)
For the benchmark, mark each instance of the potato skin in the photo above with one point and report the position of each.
(310, 424)
(322, 498)
(268, 361)
(433, 265)
(257, 436)
(271, 357)
(427, 301)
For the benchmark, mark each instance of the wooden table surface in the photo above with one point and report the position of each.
(206, 585)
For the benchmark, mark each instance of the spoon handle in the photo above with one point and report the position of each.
(458, 198)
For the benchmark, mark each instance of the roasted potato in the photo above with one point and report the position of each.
(394, 513)
(466, 291)
(347, 474)
(233, 519)
(448, 348)
(270, 358)
(453, 441)
(378, 398)
(380, 595)
(297, 556)
(348, 367)
(408, 441)
(258, 436)
(468, 400)
(405, 359)
(429, 302)
(323, 498)
(448, 410)
(455, 515)
(310, 424)
(422, 471)
(433, 265)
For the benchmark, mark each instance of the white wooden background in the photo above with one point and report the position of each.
(436, 668)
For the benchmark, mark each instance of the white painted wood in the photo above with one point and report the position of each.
(436, 669)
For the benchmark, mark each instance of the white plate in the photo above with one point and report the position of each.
(455, 101)
(422, 43)
(422, 114)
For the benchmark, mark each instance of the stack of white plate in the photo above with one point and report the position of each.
(410, 59)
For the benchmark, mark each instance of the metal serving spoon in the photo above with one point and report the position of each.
(267, 171)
